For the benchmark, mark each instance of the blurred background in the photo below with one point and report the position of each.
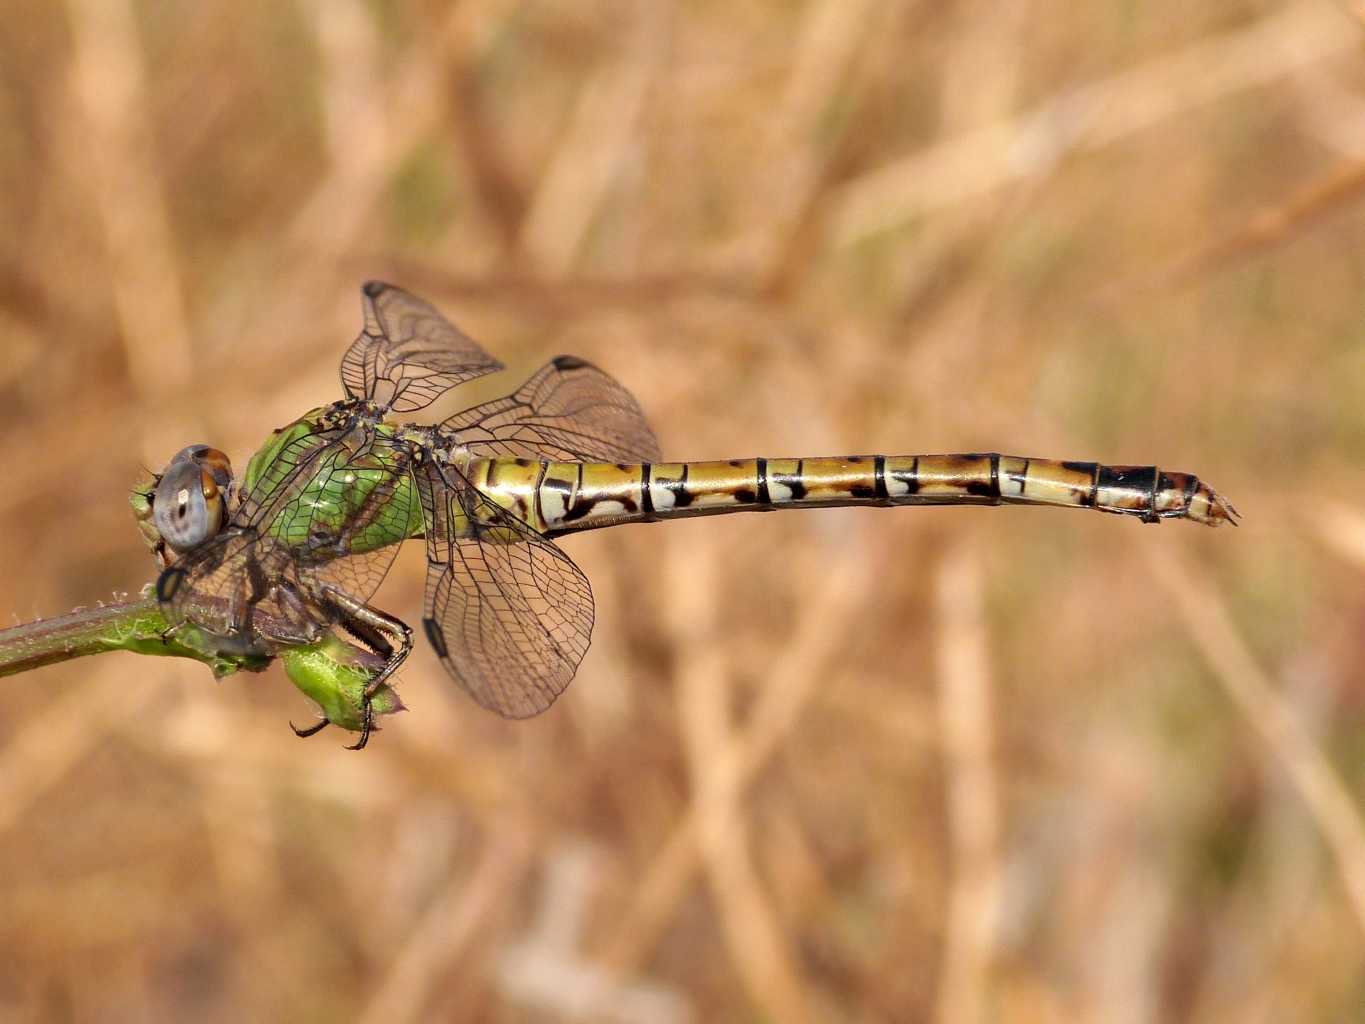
(862, 765)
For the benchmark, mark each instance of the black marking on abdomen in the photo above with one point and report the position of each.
(909, 479)
(537, 512)
(581, 506)
(990, 487)
(793, 482)
(646, 499)
(764, 497)
(682, 497)
(1023, 476)
(879, 477)
(1093, 469)
(435, 638)
(862, 492)
(562, 486)
(1127, 478)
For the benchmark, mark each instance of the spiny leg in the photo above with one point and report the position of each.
(369, 636)
(312, 730)
(375, 628)
(374, 639)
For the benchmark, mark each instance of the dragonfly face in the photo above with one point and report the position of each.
(300, 545)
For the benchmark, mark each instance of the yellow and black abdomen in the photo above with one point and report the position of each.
(556, 497)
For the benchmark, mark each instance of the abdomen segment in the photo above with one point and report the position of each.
(556, 497)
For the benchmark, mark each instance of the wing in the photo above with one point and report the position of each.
(347, 528)
(328, 507)
(569, 410)
(286, 472)
(509, 615)
(224, 586)
(408, 355)
(337, 501)
(218, 585)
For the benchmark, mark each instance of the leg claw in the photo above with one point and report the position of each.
(366, 725)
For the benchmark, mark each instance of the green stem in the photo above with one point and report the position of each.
(332, 672)
(122, 626)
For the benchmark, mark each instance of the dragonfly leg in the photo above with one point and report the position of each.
(312, 730)
(366, 725)
(377, 629)
(296, 626)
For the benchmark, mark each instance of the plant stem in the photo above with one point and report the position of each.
(122, 626)
(330, 671)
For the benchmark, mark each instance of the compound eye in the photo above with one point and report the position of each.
(210, 459)
(188, 506)
(216, 463)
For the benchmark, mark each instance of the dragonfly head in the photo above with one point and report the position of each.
(186, 504)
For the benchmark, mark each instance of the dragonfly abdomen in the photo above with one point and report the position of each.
(557, 497)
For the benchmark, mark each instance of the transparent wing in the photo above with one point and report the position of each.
(569, 410)
(219, 584)
(347, 530)
(329, 508)
(225, 586)
(408, 355)
(510, 616)
(286, 475)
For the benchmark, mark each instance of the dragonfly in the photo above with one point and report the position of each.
(297, 547)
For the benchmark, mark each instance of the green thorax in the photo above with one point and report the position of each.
(353, 498)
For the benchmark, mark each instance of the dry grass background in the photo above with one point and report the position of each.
(850, 765)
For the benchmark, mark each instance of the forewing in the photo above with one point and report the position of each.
(330, 508)
(287, 474)
(353, 551)
(408, 355)
(218, 585)
(569, 411)
(222, 586)
(510, 616)
(297, 497)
